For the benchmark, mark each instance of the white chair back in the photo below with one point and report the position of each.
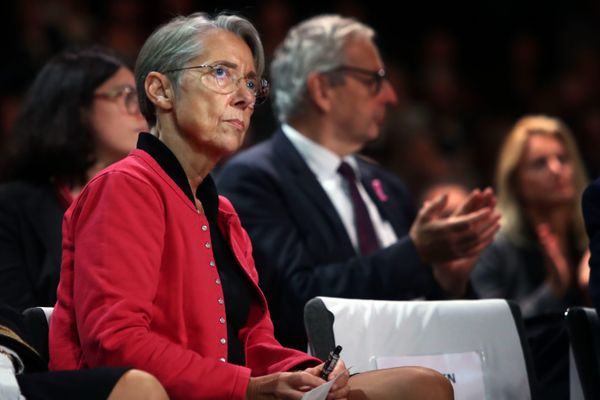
(368, 329)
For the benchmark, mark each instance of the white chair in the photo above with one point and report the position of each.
(490, 332)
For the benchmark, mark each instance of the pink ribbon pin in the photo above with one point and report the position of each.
(378, 188)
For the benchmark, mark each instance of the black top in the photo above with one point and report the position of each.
(30, 244)
(236, 287)
(517, 271)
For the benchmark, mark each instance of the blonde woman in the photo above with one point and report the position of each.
(539, 257)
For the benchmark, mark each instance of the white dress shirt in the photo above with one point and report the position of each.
(324, 164)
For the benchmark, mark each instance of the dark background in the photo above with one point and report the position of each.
(464, 72)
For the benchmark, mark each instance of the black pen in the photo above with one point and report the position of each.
(329, 365)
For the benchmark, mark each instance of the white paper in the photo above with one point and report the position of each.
(320, 392)
(463, 370)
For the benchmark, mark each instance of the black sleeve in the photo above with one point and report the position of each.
(591, 216)
(15, 287)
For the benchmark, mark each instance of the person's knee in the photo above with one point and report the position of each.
(409, 383)
(136, 384)
(435, 384)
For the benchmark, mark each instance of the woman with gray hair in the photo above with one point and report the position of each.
(157, 270)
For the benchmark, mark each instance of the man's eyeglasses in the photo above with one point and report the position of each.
(129, 95)
(221, 79)
(373, 79)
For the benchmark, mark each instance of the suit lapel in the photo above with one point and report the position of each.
(304, 181)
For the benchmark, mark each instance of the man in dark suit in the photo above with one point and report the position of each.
(326, 222)
(591, 215)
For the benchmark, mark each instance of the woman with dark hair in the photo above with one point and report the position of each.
(80, 115)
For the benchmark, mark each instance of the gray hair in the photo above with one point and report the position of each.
(316, 44)
(180, 40)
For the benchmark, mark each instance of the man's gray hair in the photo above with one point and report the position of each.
(180, 40)
(316, 44)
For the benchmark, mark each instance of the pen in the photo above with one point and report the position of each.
(332, 359)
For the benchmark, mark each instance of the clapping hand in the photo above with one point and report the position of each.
(453, 244)
(559, 274)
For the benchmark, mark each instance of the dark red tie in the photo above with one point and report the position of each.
(367, 239)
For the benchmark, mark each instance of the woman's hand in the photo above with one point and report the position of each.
(340, 388)
(558, 268)
(282, 385)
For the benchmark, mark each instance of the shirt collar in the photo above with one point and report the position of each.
(207, 190)
(321, 161)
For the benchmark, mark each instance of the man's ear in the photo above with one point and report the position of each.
(159, 90)
(320, 91)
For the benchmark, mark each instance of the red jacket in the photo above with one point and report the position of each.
(139, 288)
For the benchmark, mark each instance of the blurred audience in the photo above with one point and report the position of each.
(81, 114)
(536, 260)
(457, 87)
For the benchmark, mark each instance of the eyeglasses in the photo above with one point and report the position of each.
(129, 95)
(369, 77)
(221, 79)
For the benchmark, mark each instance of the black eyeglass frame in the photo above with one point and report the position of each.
(375, 77)
(262, 92)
